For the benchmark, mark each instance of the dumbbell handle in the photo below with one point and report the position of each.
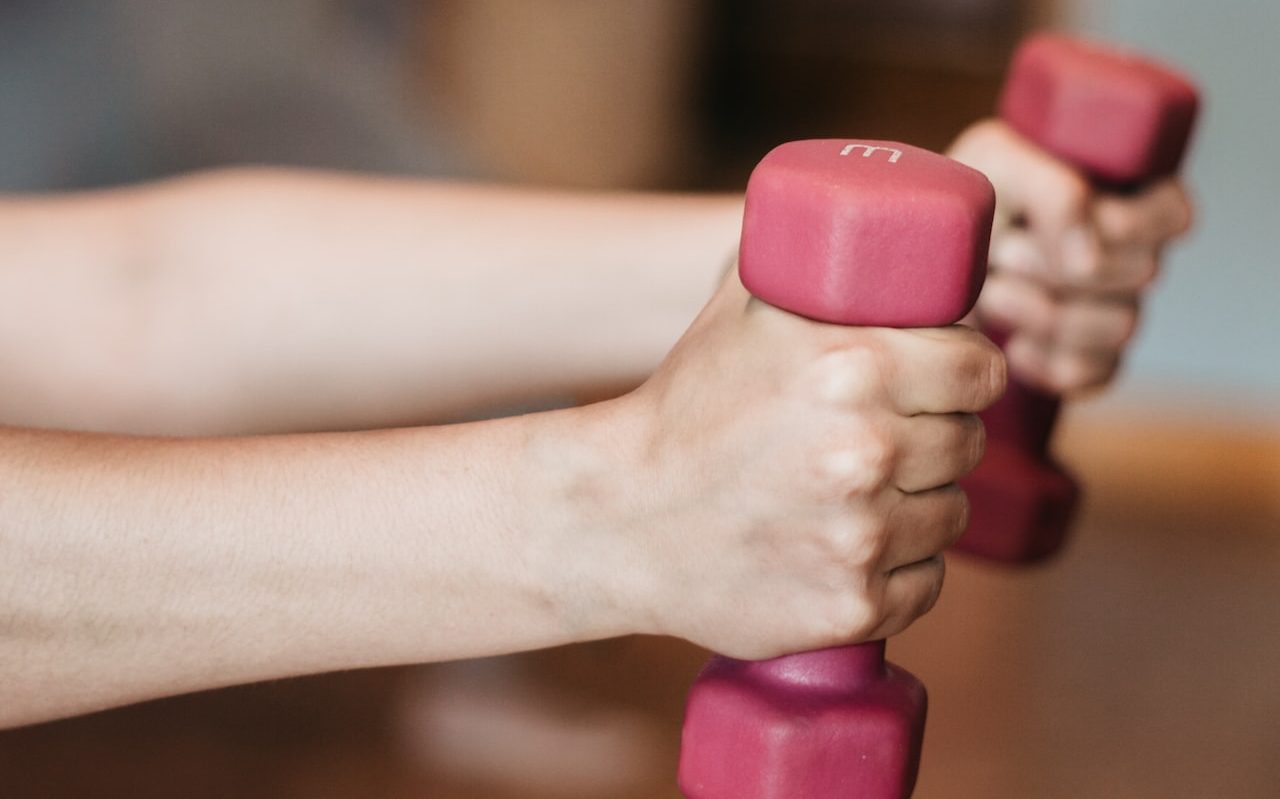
(1025, 416)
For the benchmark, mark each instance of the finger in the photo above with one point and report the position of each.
(1076, 321)
(909, 592)
(1018, 305)
(1120, 270)
(1111, 269)
(1080, 255)
(1080, 259)
(922, 525)
(1095, 325)
(1015, 251)
(1058, 370)
(1159, 213)
(941, 370)
(1116, 268)
(937, 449)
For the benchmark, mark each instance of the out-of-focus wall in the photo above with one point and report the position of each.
(105, 91)
(595, 94)
(1211, 338)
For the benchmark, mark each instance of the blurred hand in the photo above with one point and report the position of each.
(1069, 264)
(798, 483)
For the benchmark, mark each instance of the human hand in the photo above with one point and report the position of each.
(797, 488)
(1069, 263)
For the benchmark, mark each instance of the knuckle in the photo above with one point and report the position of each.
(841, 543)
(856, 544)
(850, 374)
(838, 468)
(862, 464)
(878, 453)
(852, 617)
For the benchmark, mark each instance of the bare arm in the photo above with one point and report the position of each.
(258, 300)
(132, 568)
(775, 486)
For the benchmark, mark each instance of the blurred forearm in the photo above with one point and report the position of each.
(259, 300)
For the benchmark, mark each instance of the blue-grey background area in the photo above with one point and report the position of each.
(97, 92)
(1210, 336)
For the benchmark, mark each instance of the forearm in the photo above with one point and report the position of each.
(136, 568)
(263, 301)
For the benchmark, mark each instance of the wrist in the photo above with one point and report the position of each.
(584, 468)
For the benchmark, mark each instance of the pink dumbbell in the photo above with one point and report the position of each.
(1123, 121)
(853, 233)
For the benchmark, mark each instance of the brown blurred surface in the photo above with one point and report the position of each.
(682, 94)
(1141, 664)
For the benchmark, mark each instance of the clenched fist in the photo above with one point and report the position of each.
(1069, 263)
(796, 488)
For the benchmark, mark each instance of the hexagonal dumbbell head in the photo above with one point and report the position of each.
(1022, 506)
(866, 233)
(1123, 120)
(857, 233)
(837, 723)
(1119, 117)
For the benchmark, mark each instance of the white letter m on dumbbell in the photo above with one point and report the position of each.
(868, 149)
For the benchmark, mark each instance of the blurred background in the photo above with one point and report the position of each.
(1141, 664)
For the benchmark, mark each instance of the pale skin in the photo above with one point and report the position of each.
(1069, 263)
(772, 485)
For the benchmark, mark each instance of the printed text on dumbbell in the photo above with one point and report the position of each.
(869, 149)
